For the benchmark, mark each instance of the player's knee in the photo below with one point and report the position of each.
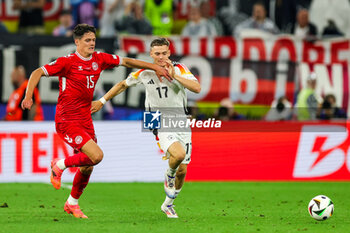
(180, 156)
(97, 158)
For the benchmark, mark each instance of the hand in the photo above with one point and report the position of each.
(170, 69)
(162, 72)
(27, 103)
(96, 106)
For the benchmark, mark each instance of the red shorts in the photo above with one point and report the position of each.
(75, 133)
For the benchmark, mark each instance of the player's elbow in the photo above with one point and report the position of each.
(123, 84)
(197, 89)
(38, 72)
(128, 62)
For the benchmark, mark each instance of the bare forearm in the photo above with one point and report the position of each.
(116, 90)
(191, 85)
(134, 63)
(33, 82)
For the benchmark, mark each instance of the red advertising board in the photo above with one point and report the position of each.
(271, 151)
(240, 151)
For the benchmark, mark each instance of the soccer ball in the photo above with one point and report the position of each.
(321, 207)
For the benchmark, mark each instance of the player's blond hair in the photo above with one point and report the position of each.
(160, 42)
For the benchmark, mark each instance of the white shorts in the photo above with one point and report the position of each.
(168, 138)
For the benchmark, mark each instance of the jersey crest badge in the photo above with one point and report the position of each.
(78, 139)
(94, 66)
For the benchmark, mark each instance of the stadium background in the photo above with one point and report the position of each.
(251, 71)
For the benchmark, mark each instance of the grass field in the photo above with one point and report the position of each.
(202, 207)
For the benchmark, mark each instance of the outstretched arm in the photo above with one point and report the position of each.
(32, 83)
(192, 85)
(134, 63)
(115, 90)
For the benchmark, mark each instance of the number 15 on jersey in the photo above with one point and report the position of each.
(90, 82)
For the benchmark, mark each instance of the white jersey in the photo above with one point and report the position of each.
(163, 94)
(168, 97)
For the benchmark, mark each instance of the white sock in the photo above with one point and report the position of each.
(177, 191)
(168, 201)
(171, 172)
(60, 164)
(72, 201)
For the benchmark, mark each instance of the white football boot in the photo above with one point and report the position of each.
(169, 211)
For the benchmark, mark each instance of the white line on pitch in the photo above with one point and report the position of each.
(66, 186)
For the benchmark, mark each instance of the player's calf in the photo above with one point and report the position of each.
(77, 160)
(181, 173)
(87, 170)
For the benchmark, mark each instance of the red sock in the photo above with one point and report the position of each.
(78, 160)
(79, 183)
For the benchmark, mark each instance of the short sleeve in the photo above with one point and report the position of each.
(56, 68)
(134, 78)
(110, 61)
(183, 71)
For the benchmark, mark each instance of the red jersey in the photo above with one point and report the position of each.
(77, 80)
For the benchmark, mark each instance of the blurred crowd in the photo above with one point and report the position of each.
(308, 106)
(308, 19)
(305, 19)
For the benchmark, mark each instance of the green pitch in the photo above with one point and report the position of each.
(203, 207)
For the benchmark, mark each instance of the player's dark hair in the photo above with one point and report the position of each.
(160, 42)
(81, 29)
